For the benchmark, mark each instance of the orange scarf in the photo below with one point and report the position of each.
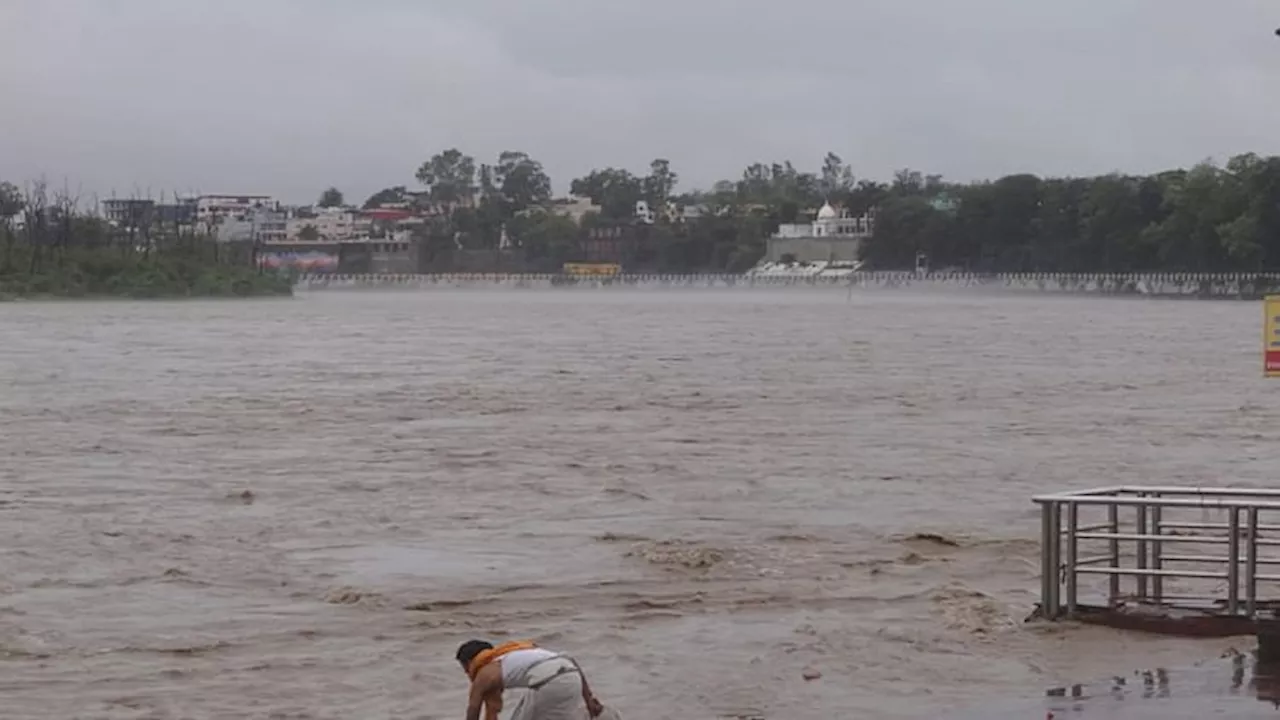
(487, 656)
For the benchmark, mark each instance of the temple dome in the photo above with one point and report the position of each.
(827, 212)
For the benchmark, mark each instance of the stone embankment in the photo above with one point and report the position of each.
(1226, 286)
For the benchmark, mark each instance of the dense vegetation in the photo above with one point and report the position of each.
(1205, 219)
(48, 247)
(1209, 218)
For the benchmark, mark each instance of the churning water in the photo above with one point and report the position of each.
(297, 508)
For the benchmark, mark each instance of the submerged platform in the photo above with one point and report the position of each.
(1184, 561)
(1231, 687)
(1208, 622)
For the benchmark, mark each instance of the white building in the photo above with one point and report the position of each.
(832, 236)
(331, 225)
(829, 223)
(573, 207)
(212, 209)
(259, 226)
(129, 212)
(395, 252)
(644, 214)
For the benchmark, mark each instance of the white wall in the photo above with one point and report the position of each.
(813, 249)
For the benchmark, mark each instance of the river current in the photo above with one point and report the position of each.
(298, 508)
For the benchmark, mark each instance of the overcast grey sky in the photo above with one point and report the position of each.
(290, 96)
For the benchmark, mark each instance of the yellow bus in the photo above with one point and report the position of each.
(593, 269)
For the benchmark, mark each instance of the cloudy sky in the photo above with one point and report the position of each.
(290, 96)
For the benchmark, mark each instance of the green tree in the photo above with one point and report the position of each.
(905, 226)
(756, 185)
(908, 182)
(1110, 228)
(1059, 242)
(309, 233)
(546, 236)
(521, 181)
(614, 190)
(837, 177)
(1188, 239)
(331, 198)
(386, 195)
(450, 179)
(11, 206)
(864, 196)
(660, 184)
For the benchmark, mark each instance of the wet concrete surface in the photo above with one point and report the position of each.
(1228, 687)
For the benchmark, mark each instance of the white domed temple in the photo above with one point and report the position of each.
(833, 237)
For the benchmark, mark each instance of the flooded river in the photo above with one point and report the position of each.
(298, 508)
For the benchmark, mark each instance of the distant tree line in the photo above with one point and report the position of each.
(1208, 218)
(478, 206)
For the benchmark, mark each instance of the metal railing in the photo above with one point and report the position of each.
(1171, 546)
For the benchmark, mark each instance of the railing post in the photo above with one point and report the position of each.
(1073, 522)
(1056, 548)
(1141, 560)
(1113, 582)
(1157, 555)
(1063, 565)
(1251, 565)
(1049, 568)
(1233, 561)
(1048, 574)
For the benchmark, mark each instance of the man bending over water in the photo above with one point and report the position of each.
(553, 684)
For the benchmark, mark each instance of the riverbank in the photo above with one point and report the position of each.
(145, 283)
(1189, 285)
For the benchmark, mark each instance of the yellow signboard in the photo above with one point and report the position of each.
(597, 269)
(1271, 336)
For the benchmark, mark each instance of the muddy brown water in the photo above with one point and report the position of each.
(297, 508)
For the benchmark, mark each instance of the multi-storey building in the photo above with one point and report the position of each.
(212, 209)
(129, 213)
(259, 226)
(328, 225)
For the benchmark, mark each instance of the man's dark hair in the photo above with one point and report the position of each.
(469, 650)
